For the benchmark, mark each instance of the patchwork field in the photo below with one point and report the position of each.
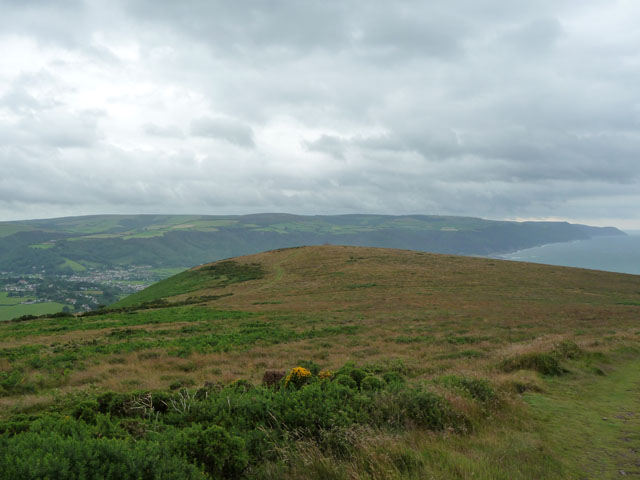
(419, 366)
(77, 244)
(12, 307)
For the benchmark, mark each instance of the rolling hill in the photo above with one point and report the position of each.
(411, 365)
(72, 245)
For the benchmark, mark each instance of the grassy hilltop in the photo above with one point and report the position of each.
(111, 256)
(415, 365)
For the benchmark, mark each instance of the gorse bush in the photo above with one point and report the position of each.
(297, 377)
(218, 452)
(222, 431)
(372, 383)
(68, 450)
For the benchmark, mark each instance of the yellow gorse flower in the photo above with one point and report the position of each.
(325, 374)
(297, 375)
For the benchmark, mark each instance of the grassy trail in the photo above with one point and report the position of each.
(279, 270)
(593, 424)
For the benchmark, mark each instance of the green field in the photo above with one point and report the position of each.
(6, 300)
(42, 246)
(7, 229)
(167, 272)
(14, 311)
(412, 366)
(75, 266)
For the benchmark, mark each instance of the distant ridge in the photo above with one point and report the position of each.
(105, 241)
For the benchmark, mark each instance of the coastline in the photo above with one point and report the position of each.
(596, 253)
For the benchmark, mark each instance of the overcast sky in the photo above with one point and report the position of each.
(492, 108)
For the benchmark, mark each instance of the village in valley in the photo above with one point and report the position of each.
(78, 292)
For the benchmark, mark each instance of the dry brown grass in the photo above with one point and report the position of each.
(437, 313)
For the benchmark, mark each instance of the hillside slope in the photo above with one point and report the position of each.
(338, 277)
(180, 241)
(475, 368)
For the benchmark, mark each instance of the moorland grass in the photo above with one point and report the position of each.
(218, 275)
(480, 343)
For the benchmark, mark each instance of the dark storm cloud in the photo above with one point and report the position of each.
(494, 108)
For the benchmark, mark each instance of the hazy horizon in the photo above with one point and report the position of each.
(310, 215)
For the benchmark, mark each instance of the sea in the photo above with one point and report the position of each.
(613, 254)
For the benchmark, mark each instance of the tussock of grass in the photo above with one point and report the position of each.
(522, 381)
(478, 389)
(544, 363)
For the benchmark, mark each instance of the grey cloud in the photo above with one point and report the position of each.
(494, 108)
(534, 37)
(167, 131)
(337, 146)
(329, 144)
(229, 130)
(63, 130)
(19, 100)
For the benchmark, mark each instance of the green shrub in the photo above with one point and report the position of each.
(477, 389)
(107, 427)
(371, 383)
(414, 407)
(358, 375)
(310, 365)
(18, 424)
(86, 411)
(24, 318)
(181, 383)
(544, 363)
(218, 452)
(14, 382)
(113, 403)
(346, 380)
(242, 386)
(225, 429)
(393, 379)
(9, 381)
(37, 455)
(425, 409)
